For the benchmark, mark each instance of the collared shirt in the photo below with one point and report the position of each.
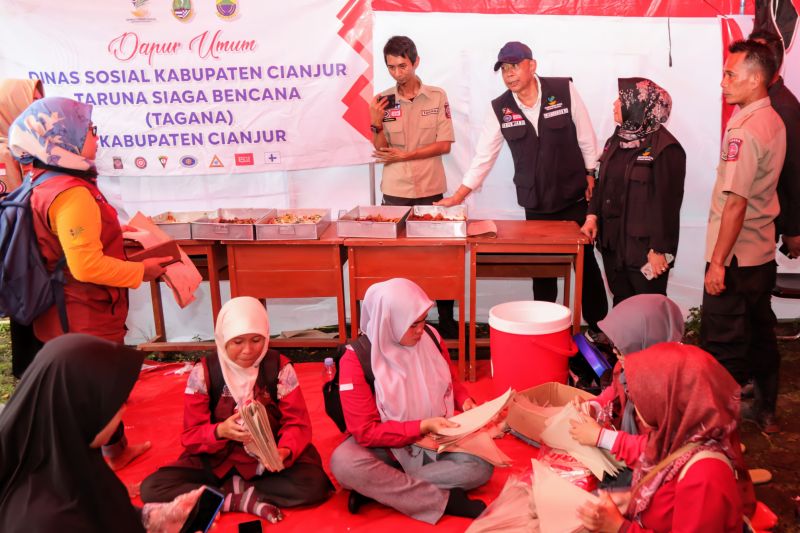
(750, 163)
(411, 125)
(491, 139)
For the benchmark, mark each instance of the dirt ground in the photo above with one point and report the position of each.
(778, 453)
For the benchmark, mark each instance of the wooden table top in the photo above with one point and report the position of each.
(534, 232)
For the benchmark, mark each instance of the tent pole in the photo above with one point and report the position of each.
(372, 184)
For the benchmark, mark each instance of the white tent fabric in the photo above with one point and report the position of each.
(457, 53)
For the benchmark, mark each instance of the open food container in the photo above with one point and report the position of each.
(437, 221)
(177, 224)
(228, 224)
(288, 224)
(373, 221)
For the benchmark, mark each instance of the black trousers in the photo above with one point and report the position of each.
(738, 328)
(24, 347)
(627, 282)
(594, 302)
(300, 484)
(444, 307)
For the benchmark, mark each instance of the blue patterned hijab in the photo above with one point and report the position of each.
(52, 130)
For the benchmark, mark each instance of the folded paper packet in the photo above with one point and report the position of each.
(482, 228)
(182, 277)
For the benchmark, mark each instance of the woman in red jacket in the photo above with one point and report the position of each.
(685, 476)
(215, 441)
(415, 389)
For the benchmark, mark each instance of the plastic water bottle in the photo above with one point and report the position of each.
(329, 370)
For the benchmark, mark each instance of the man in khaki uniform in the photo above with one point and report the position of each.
(411, 130)
(738, 324)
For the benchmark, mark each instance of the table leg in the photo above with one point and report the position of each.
(473, 270)
(213, 280)
(158, 312)
(576, 320)
(353, 300)
(337, 259)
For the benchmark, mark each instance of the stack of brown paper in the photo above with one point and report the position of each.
(557, 501)
(263, 444)
(480, 444)
(182, 277)
(472, 420)
(556, 435)
(474, 433)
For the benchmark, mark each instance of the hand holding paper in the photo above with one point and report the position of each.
(262, 445)
(557, 435)
(557, 501)
(468, 432)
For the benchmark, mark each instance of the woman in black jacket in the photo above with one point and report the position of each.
(634, 214)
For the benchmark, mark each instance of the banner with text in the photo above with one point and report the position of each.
(211, 87)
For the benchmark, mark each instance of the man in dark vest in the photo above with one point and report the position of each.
(785, 103)
(553, 145)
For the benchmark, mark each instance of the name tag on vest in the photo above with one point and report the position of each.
(556, 113)
(512, 119)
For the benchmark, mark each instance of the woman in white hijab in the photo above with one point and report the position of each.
(414, 391)
(214, 438)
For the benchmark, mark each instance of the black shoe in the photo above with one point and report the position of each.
(355, 501)
(766, 422)
(458, 504)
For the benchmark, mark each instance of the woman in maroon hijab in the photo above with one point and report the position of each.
(685, 477)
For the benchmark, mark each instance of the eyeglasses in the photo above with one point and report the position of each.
(93, 129)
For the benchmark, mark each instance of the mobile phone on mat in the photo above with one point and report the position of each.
(204, 511)
(253, 526)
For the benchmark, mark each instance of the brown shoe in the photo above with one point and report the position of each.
(759, 476)
(748, 391)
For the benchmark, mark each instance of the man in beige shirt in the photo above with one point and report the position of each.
(411, 130)
(738, 323)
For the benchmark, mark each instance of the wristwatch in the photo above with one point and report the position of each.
(375, 129)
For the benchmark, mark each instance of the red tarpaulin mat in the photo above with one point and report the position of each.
(155, 413)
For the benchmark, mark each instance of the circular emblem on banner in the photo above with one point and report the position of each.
(188, 161)
(140, 162)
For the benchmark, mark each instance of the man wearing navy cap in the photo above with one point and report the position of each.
(552, 143)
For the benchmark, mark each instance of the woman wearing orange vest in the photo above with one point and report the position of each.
(72, 219)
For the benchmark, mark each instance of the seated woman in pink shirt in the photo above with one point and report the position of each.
(685, 471)
(415, 389)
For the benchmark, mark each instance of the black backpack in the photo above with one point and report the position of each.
(330, 389)
(267, 377)
(27, 288)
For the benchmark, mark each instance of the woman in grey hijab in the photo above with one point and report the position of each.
(635, 324)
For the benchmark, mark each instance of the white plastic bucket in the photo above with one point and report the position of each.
(530, 343)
